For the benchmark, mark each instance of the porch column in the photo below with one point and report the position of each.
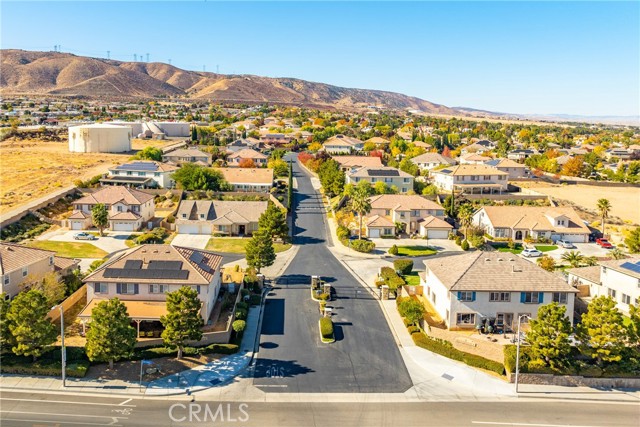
(84, 329)
(138, 323)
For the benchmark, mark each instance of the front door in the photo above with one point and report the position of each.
(518, 235)
(241, 229)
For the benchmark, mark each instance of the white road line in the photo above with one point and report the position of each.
(271, 385)
(70, 401)
(64, 415)
(63, 422)
(127, 401)
(497, 423)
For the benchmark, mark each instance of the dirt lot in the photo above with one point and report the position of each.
(625, 201)
(31, 169)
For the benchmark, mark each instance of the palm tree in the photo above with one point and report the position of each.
(591, 260)
(604, 207)
(616, 253)
(574, 258)
(360, 204)
(465, 214)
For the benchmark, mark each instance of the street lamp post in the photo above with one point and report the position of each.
(518, 348)
(63, 354)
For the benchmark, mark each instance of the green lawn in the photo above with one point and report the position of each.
(70, 249)
(412, 279)
(237, 245)
(519, 248)
(415, 251)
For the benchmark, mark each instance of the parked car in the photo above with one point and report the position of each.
(565, 244)
(531, 253)
(84, 236)
(604, 243)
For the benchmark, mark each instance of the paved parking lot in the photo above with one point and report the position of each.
(114, 241)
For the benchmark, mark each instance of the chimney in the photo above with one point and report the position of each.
(144, 260)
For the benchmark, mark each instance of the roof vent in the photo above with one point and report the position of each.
(487, 259)
(500, 259)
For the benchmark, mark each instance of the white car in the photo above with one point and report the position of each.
(531, 253)
(565, 244)
(84, 236)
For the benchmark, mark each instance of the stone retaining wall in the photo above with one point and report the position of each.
(576, 381)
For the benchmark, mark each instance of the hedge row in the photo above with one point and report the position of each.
(326, 327)
(391, 278)
(403, 266)
(43, 367)
(365, 246)
(446, 349)
(156, 352)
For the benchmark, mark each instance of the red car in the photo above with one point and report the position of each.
(604, 243)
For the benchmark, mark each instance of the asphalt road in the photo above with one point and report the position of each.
(365, 357)
(21, 409)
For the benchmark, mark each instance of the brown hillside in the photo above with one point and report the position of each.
(26, 72)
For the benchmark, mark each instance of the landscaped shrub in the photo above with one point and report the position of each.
(323, 296)
(326, 327)
(395, 283)
(342, 232)
(241, 314)
(465, 245)
(411, 309)
(445, 348)
(363, 246)
(403, 266)
(49, 368)
(241, 305)
(387, 272)
(255, 299)
(458, 240)
(393, 250)
(239, 326)
(219, 349)
(157, 235)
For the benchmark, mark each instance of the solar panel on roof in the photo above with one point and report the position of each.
(146, 274)
(631, 266)
(139, 166)
(134, 264)
(196, 257)
(383, 172)
(165, 265)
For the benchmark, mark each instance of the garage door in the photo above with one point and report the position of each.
(374, 232)
(576, 238)
(437, 234)
(123, 226)
(194, 229)
(76, 225)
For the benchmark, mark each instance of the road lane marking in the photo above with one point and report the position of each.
(63, 422)
(70, 401)
(63, 415)
(270, 385)
(497, 423)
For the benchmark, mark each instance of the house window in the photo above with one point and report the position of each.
(5, 279)
(387, 212)
(25, 271)
(196, 288)
(531, 297)
(184, 215)
(201, 216)
(416, 213)
(401, 214)
(129, 173)
(500, 297)
(405, 180)
(158, 289)
(626, 299)
(142, 173)
(51, 260)
(156, 174)
(466, 318)
(119, 208)
(127, 288)
(487, 178)
(466, 296)
(100, 288)
(612, 293)
(560, 297)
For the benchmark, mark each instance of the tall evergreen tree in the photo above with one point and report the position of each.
(111, 336)
(634, 325)
(5, 334)
(260, 252)
(602, 331)
(183, 321)
(32, 332)
(100, 217)
(274, 222)
(194, 133)
(549, 335)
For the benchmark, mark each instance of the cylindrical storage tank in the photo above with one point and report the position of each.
(100, 138)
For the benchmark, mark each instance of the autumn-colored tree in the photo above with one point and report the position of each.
(446, 151)
(574, 167)
(247, 163)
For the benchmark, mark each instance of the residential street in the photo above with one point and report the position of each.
(365, 357)
(37, 409)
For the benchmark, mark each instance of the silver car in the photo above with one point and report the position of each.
(565, 244)
(84, 236)
(531, 253)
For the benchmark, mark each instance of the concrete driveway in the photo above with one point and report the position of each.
(196, 241)
(586, 249)
(114, 241)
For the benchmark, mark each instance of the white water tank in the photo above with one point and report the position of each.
(99, 138)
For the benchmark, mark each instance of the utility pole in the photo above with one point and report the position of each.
(217, 69)
(135, 57)
(147, 57)
(169, 61)
(204, 68)
(108, 54)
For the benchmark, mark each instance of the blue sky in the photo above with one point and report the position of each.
(547, 57)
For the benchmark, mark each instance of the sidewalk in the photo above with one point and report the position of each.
(283, 259)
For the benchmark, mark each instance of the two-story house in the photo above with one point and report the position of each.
(391, 176)
(513, 168)
(276, 138)
(521, 154)
(248, 179)
(470, 179)
(491, 289)
(521, 222)
(242, 143)
(247, 155)
(141, 174)
(230, 218)
(418, 214)
(428, 161)
(141, 276)
(352, 163)
(128, 209)
(473, 159)
(342, 144)
(619, 279)
(187, 155)
(20, 265)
